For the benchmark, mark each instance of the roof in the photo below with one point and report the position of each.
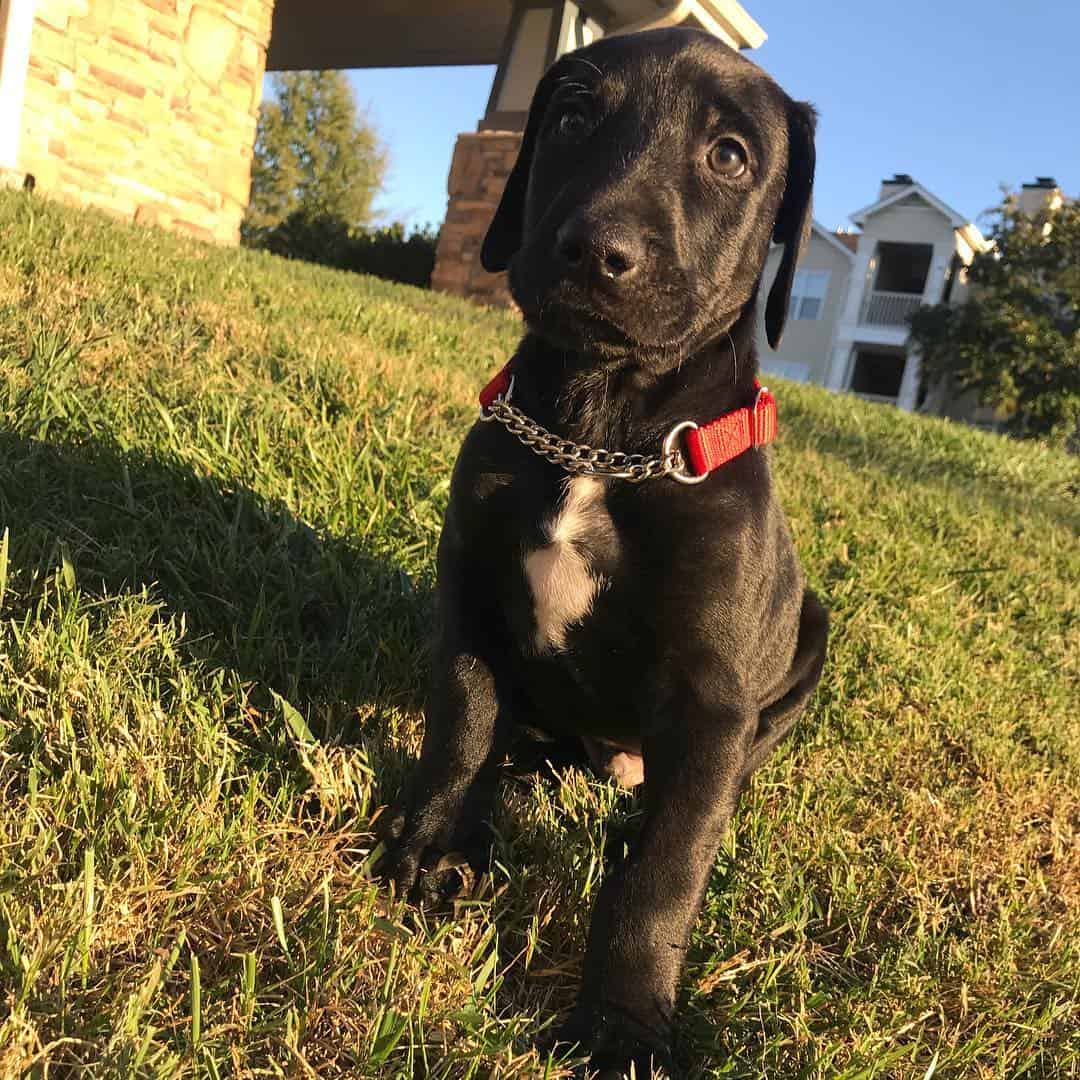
(957, 220)
(320, 34)
(727, 19)
(833, 239)
(850, 240)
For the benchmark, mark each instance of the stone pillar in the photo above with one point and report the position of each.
(540, 31)
(482, 162)
(146, 108)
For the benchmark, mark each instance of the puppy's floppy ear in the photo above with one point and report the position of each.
(793, 219)
(503, 237)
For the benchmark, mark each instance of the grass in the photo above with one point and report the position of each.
(221, 483)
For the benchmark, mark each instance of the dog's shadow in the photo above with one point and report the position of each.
(319, 619)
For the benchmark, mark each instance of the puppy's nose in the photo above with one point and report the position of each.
(609, 254)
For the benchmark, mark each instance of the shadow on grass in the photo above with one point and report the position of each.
(317, 619)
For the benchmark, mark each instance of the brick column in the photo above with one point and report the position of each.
(147, 108)
(482, 162)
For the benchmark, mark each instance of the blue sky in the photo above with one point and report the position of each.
(966, 95)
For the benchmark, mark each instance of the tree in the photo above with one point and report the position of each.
(1016, 341)
(317, 158)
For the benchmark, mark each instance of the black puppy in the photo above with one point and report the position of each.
(667, 625)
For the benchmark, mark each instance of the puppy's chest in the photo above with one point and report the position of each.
(570, 568)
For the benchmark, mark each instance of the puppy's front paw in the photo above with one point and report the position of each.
(618, 1042)
(418, 870)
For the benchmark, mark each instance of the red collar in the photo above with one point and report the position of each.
(717, 442)
(705, 447)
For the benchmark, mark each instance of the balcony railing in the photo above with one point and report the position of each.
(888, 308)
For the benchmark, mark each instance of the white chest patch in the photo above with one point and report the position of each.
(562, 584)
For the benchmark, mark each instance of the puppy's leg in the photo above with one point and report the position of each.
(646, 910)
(453, 786)
(779, 716)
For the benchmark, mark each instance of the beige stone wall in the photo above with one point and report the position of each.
(482, 162)
(147, 108)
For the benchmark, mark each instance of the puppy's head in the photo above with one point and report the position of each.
(654, 171)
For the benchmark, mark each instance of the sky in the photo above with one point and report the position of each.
(965, 95)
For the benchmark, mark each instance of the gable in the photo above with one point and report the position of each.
(931, 201)
(914, 199)
(913, 222)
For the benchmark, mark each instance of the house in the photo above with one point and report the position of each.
(818, 296)
(147, 108)
(853, 293)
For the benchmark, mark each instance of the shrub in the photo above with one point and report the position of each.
(386, 251)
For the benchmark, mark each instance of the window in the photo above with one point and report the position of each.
(808, 293)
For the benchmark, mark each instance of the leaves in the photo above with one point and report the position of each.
(1016, 342)
(316, 155)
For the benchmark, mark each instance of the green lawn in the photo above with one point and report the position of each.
(221, 483)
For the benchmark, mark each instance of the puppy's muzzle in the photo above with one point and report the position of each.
(605, 256)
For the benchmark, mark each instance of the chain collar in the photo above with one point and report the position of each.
(581, 460)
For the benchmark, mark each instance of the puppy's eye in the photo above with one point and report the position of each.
(572, 123)
(727, 158)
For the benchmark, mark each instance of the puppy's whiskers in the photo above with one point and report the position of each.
(582, 60)
(581, 88)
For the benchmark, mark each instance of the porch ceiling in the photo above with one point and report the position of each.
(320, 34)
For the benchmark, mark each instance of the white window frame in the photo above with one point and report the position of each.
(808, 293)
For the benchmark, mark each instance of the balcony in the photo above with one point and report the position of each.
(888, 308)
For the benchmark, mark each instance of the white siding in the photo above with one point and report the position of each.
(908, 223)
(807, 343)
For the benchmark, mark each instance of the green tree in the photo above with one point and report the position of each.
(1016, 341)
(317, 157)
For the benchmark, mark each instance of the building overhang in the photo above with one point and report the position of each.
(323, 34)
(890, 336)
(975, 241)
(729, 21)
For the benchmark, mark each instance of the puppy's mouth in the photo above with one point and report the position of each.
(656, 317)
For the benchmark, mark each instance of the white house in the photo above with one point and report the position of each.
(853, 292)
(818, 297)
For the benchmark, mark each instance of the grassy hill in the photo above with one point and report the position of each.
(221, 483)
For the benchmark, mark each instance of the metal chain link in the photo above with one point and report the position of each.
(578, 458)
